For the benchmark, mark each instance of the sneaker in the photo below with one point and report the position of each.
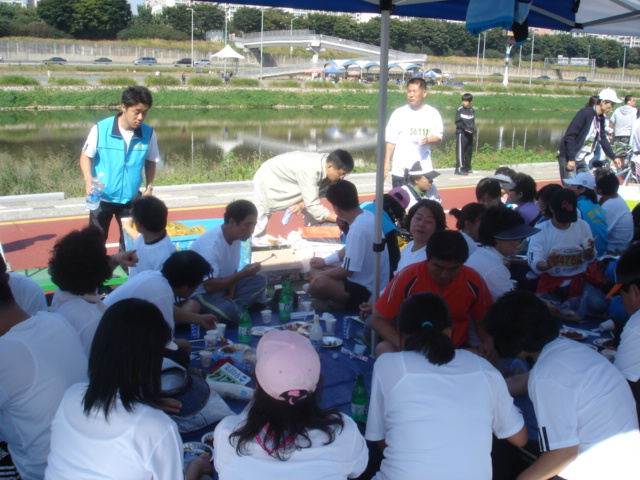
(461, 172)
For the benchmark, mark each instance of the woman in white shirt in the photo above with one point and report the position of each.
(468, 222)
(424, 218)
(430, 402)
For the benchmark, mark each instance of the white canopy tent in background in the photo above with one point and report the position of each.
(228, 52)
(598, 16)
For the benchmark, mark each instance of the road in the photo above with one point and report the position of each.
(30, 225)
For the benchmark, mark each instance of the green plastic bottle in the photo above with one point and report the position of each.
(359, 400)
(284, 304)
(244, 327)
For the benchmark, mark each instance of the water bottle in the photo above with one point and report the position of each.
(315, 335)
(244, 327)
(285, 301)
(195, 331)
(92, 201)
(359, 400)
(287, 217)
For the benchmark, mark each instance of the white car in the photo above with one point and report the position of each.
(203, 61)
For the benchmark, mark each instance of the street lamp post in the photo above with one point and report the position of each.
(624, 61)
(261, 41)
(292, 26)
(226, 22)
(533, 43)
(484, 48)
(478, 56)
(191, 9)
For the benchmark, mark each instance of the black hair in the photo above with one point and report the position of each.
(6, 295)
(520, 322)
(341, 160)
(593, 100)
(3, 266)
(393, 208)
(285, 421)
(421, 82)
(496, 220)
(589, 194)
(607, 181)
(126, 357)
(545, 194)
(150, 213)
(469, 213)
(136, 94)
(185, 268)
(343, 194)
(627, 99)
(628, 267)
(423, 317)
(448, 246)
(526, 185)
(488, 186)
(79, 263)
(508, 171)
(239, 210)
(436, 210)
(468, 97)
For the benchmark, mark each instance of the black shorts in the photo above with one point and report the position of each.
(357, 294)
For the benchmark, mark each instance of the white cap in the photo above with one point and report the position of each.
(609, 95)
(583, 179)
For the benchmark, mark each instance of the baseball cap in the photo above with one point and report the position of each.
(401, 196)
(517, 232)
(506, 181)
(583, 179)
(609, 94)
(418, 169)
(564, 204)
(288, 368)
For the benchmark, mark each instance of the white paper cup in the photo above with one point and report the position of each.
(609, 354)
(330, 324)
(210, 341)
(607, 325)
(221, 329)
(266, 316)
(212, 332)
(205, 358)
(305, 306)
(359, 348)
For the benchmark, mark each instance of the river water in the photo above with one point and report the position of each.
(196, 134)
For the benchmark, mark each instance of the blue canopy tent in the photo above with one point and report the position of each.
(600, 16)
(333, 70)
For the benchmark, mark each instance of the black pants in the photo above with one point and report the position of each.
(464, 150)
(101, 218)
(397, 181)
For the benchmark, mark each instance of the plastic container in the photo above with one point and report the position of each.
(92, 200)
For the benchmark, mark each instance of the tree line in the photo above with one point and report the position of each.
(113, 19)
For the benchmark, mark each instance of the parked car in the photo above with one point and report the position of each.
(54, 61)
(544, 77)
(203, 61)
(581, 79)
(496, 75)
(185, 62)
(436, 70)
(145, 61)
(102, 60)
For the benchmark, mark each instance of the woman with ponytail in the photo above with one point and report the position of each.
(434, 408)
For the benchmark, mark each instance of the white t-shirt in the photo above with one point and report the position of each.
(567, 243)
(408, 256)
(405, 129)
(142, 444)
(91, 144)
(471, 243)
(151, 256)
(148, 285)
(82, 312)
(628, 356)
(429, 414)
(39, 359)
(358, 252)
(223, 258)
(619, 224)
(27, 294)
(489, 263)
(581, 399)
(346, 457)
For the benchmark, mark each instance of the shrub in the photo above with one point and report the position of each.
(319, 85)
(117, 81)
(495, 88)
(161, 80)
(352, 85)
(244, 82)
(152, 31)
(442, 88)
(67, 81)
(205, 81)
(17, 80)
(519, 89)
(284, 84)
(43, 30)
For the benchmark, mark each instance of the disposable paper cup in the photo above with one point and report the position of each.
(266, 316)
(359, 349)
(305, 306)
(210, 341)
(212, 332)
(608, 325)
(609, 354)
(221, 329)
(330, 323)
(205, 358)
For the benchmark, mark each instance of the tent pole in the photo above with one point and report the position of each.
(385, 7)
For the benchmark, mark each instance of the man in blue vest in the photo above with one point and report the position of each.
(119, 148)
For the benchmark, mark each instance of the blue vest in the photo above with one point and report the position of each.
(596, 217)
(121, 169)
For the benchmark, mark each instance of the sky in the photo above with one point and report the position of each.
(134, 5)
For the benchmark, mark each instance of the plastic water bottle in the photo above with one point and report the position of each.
(285, 301)
(92, 201)
(287, 217)
(195, 331)
(244, 327)
(359, 400)
(315, 335)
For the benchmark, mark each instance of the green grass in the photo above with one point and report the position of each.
(122, 81)
(17, 80)
(352, 86)
(244, 82)
(67, 81)
(161, 81)
(208, 81)
(284, 84)
(319, 85)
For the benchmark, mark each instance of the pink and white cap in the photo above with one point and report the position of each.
(288, 368)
